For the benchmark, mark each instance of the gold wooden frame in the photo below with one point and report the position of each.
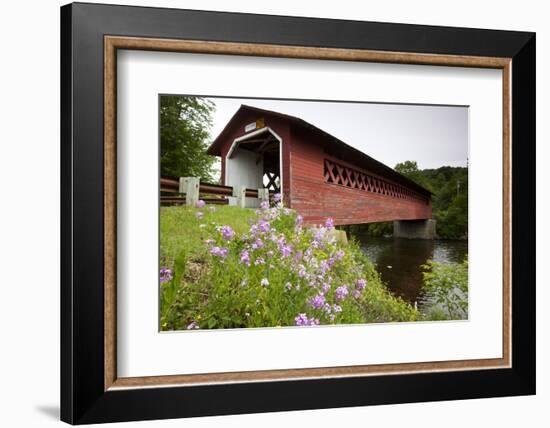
(113, 43)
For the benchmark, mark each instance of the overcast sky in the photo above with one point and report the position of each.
(433, 136)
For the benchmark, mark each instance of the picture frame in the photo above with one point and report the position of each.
(91, 391)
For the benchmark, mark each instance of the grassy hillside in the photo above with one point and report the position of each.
(227, 267)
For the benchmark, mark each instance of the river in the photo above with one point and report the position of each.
(398, 260)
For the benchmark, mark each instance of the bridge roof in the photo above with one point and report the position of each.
(345, 151)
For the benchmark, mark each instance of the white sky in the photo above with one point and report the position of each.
(433, 136)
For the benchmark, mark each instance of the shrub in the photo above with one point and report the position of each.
(447, 285)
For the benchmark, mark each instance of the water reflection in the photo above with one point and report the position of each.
(399, 260)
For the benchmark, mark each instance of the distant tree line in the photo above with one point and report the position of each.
(449, 186)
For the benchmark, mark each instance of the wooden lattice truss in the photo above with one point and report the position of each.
(348, 177)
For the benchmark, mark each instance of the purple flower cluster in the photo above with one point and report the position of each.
(341, 292)
(286, 250)
(200, 203)
(303, 320)
(317, 302)
(219, 252)
(329, 223)
(325, 266)
(193, 326)
(245, 257)
(359, 286)
(361, 283)
(165, 275)
(227, 233)
(264, 226)
(319, 235)
(257, 244)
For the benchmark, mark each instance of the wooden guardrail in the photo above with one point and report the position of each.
(187, 190)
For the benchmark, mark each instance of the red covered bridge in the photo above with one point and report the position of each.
(319, 175)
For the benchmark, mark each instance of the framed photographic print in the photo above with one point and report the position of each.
(265, 213)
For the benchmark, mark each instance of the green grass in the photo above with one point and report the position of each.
(180, 232)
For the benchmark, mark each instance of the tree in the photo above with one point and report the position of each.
(410, 170)
(449, 186)
(407, 167)
(185, 124)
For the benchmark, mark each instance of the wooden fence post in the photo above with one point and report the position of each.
(240, 193)
(183, 185)
(190, 186)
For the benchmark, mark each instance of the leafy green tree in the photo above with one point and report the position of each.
(453, 222)
(407, 167)
(185, 124)
(449, 186)
(410, 170)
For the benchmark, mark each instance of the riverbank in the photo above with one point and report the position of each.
(400, 261)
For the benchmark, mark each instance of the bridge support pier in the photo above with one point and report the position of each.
(414, 229)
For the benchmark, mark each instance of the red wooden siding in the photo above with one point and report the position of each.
(315, 199)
